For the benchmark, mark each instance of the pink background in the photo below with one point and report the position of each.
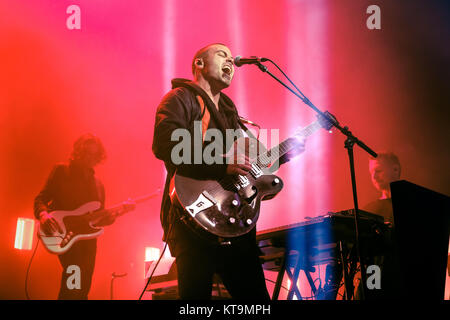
(107, 78)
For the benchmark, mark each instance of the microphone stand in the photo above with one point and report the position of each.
(350, 141)
(113, 277)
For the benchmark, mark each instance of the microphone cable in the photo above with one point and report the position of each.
(284, 74)
(157, 263)
(28, 269)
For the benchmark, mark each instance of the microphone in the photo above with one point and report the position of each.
(239, 61)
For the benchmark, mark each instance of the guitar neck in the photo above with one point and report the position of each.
(96, 216)
(287, 145)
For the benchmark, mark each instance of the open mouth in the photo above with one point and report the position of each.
(227, 70)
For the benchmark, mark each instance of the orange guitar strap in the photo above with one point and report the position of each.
(205, 116)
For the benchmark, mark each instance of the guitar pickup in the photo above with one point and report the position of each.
(203, 202)
(256, 171)
(243, 181)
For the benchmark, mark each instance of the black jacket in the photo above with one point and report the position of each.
(68, 187)
(179, 109)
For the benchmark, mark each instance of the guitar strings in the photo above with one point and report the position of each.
(308, 130)
(261, 161)
(284, 147)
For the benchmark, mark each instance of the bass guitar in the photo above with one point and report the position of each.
(81, 224)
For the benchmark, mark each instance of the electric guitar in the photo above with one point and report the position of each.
(81, 224)
(229, 208)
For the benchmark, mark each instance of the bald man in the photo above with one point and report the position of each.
(383, 170)
(237, 263)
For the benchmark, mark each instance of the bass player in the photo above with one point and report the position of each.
(69, 186)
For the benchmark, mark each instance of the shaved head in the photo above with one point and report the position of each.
(202, 52)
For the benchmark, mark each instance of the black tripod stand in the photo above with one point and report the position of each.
(350, 141)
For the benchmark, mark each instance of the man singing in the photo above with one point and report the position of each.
(197, 260)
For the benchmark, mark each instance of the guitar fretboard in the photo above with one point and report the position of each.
(287, 145)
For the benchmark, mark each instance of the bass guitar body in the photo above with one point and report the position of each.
(82, 223)
(75, 226)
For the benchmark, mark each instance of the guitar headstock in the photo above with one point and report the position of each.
(326, 123)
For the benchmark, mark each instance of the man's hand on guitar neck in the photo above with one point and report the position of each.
(299, 148)
(240, 165)
(48, 223)
(125, 207)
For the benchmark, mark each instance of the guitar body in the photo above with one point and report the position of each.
(80, 224)
(216, 209)
(75, 221)
(229, 208)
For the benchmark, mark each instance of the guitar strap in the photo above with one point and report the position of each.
(100, 191)
(205, 116)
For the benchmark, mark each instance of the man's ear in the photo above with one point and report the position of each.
(199, 62)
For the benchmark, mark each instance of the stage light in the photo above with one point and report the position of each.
(24, 234)
(288, 285)
(308, 178)
(151, 254)
(167, 253)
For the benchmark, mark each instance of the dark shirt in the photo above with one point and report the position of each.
(68, 187)
(382, 207)
(179, 109)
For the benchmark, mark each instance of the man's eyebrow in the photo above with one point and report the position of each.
(222, 51)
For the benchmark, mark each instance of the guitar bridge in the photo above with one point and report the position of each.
(203, 202)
